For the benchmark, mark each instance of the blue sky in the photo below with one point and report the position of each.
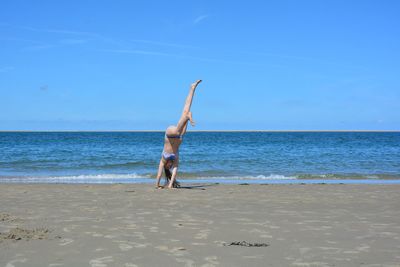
(265, 65)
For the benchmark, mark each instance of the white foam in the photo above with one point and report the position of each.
(251, 177)
(99, 176)
(275, 177)
(131, 177)
(77, 178)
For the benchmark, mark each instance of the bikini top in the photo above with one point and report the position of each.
(173, 136)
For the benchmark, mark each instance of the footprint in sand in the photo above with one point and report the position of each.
(11, 263)
(310, 264)
(66, 241)
(101, 262)
(199, 244)
(259, 256)
(211, 261)
(162, 248)
(176, 251)
(140, 245)
(70, 228)
(363, 248)
(131, 226)
(187, 262)
(138, 235)
(125, 247)
(304, 250)
(266, 236)
(97, 235)
(154, 229)
(203, 234)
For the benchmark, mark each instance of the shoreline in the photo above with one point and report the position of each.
(202, 225)
(200, 131)
(111, 181)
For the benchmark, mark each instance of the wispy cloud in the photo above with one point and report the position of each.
(89, 35)
(276, 55)
(13, 39)
(73, 37)
(6, 69)
(28, 43)
(200, 18)
(155, 53)
(300, 58)
(164, 44)
(114, 45)
(138, 52)
(60, 31)
(38, 47)
(73, 41)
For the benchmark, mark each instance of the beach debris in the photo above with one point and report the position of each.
(5, 217)
(247, 244)
(27, 234)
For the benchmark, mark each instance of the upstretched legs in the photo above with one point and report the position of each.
(189, 98)
(186, 114)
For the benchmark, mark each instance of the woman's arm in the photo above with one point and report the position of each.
(173, 176)
(174, 172)
(159, 174)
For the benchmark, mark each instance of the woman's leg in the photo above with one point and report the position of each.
(186, 115)
(189, 98)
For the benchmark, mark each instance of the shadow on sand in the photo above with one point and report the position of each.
(198, 186)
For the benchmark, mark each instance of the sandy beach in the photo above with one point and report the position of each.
(203, 225)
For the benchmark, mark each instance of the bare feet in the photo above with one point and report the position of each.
(190, 117)
(160, 187)
(194, 85)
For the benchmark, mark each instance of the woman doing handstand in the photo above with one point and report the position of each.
(172, 140)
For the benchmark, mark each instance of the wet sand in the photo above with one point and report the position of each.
(205, 225)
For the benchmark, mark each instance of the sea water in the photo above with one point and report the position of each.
(230, 157)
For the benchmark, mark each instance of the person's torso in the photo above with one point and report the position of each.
(171, 145)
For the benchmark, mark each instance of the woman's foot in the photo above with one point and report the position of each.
(194, 85)
(192, 122)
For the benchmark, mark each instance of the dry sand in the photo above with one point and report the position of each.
(206, 225)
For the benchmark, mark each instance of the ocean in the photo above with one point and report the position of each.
(231, 157)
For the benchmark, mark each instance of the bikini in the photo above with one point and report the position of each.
(173, 136)
(170, 156)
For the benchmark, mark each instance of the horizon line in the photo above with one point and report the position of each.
(60, 131)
